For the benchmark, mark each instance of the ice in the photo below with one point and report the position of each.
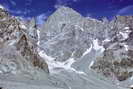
(23, 26)
(106, 40)
(126, 47)
(125, 35)
(56, 64)
(87, 51)
(96, 46)
(12, 42)
(92, 62)
(131, 86)
(126, 28)
(38, 33)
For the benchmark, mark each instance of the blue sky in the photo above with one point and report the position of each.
(93, 8)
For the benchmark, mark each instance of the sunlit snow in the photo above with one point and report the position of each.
(23, 26)
(96, 46)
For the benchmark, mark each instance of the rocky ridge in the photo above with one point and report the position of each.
(18, 45)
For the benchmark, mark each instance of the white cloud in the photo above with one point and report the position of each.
(75, 0)
(126, 10)
(57, 6)
(41, 18)
(12, 2)
(2, 7)
(60, 3)
(16, 11)
(88, 15)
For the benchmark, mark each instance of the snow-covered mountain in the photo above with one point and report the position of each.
(68, 52)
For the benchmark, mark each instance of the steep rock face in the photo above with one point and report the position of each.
(66, 34)
(61, 33)
(18, 46)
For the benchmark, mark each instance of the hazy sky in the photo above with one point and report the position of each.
(93, 8)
